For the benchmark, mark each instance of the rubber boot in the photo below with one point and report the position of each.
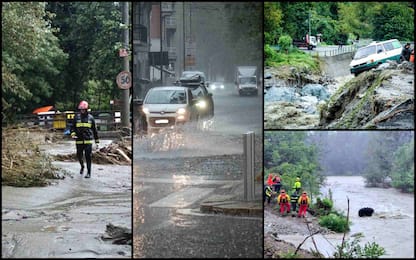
(82, 170)
(88, 175)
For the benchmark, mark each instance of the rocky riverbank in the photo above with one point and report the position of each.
(277, 228)
(382, 98)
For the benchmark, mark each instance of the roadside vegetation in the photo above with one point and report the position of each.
(23, 164)
(292, 57)
(50, 58)
(339, 22)
(336, 23)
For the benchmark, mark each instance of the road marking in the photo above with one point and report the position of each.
(186, 180)
(182, 198)
(195, 212)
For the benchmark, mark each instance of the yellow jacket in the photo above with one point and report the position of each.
(301, 197)
(297, 185)
(280, 197)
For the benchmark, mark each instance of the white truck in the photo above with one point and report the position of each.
(246, 80)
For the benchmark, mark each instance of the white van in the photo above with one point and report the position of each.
(374, 54)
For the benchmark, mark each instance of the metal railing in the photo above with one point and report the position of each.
(105, 120)
(334, 51)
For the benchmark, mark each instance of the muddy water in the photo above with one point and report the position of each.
(67, 219)
(392, 225)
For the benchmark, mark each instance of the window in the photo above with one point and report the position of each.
(388, 46)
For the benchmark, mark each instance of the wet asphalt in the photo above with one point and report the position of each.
(170, 184)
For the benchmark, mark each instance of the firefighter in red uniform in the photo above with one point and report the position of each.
(284, 202)
(303, 204)
(83, 130)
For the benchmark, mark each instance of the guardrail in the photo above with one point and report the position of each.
(105, 120)
(334, 51)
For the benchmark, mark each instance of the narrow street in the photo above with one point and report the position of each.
(170, 184)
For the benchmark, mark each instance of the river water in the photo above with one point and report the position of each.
(391, 226)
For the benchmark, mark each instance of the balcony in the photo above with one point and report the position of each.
(139, 34)
(170, 22)
(172, 55)
(167, 7)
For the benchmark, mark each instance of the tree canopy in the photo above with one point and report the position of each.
(339, 21)
(57, 53)
(288, 154)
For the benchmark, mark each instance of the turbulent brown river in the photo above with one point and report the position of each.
(391, 226)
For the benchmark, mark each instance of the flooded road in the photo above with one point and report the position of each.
(170, 184)
(391, 226)
(68, 219)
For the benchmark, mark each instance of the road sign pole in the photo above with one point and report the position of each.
(249, 160)
(125, 110)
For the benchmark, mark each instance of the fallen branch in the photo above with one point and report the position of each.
(313, 240)
(124, 155)
(299, 246)
(346, 228)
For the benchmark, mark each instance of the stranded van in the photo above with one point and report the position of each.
(375, 54)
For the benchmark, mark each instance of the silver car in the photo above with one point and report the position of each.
(168, 107)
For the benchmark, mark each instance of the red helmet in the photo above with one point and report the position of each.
(83, 105)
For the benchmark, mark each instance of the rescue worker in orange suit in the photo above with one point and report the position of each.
(270, 179)
(284, 202)
(83, 130)
(276, 183)
(303, 202)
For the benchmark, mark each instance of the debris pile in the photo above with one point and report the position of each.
(119, 153)
(119, 235)
(22, 164)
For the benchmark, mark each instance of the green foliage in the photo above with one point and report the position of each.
(287, 153)
(381, 149)
(340, 21)
(322, 207)
(334, 222)
(289, 255)
(353, 249)
(272, 22)
(32, 58)
(294, 58)
(285, 41)
(90, 33)
(403, 168)
(394, 21)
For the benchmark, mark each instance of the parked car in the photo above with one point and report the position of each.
(374, 54)
(195, 81)
(169, 106)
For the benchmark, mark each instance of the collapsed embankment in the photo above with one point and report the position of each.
(382, 98)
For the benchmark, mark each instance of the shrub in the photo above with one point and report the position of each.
(322, 206)
(285, 41)
(352, 249)
(335, 222)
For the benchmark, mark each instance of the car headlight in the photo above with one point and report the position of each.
(145, 110)
(221, 86)
(181, 111)
(201, 104)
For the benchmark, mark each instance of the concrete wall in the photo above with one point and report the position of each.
(337, 66)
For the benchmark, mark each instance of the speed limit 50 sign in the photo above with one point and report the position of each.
(124, 80)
